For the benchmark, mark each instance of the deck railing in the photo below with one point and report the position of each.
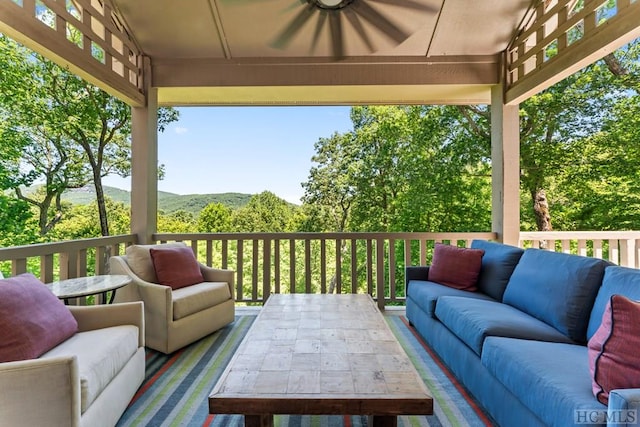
(65, 260)
(619, 247)
(268, 263)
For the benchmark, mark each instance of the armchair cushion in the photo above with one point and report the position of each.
(33, 320)
(192, 299)
(139, 259)
(176, 267)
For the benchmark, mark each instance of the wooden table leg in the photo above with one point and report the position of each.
(263, 420)
(383, 420)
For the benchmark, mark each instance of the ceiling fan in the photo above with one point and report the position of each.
(357, 14)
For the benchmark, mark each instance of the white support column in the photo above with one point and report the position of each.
(144, 164)
(505, 161)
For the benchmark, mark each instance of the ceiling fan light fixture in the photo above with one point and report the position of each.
(331, 4)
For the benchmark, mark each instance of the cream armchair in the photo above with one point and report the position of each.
(175, 317)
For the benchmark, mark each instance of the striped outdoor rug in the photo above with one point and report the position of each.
(177, 386)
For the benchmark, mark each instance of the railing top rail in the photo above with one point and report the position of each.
(40, 249)
(328, 236)
(587, 235)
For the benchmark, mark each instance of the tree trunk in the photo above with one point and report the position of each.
(102, 209)
(541, 209)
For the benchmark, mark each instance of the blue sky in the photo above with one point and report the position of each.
(243, 149)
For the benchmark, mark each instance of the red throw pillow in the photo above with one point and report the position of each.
(33, 319)
(456, 267)
(176, 267)
(613, 350)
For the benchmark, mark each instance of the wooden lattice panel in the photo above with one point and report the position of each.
(559, 29)
(86, 35)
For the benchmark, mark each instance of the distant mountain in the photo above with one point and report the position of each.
(87, 194)
(167, 202)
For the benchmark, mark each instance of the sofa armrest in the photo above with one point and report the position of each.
(415, 273)
(624, 406)
(40, 392)
(104, 316)
(219, 275)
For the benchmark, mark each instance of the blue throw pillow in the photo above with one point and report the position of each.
(498, 263)
(557, 288)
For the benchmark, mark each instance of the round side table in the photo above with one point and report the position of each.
(91, 285)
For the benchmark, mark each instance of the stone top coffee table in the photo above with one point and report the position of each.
(320, 354)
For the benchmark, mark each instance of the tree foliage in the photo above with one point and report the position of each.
(265, 212)
(71, 132)
(404, 168)
(215, 218)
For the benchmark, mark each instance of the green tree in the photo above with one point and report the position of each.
(179, 221)
(215, 218)
(265, 212)
(75, 132)
(403, 168)
(81, 221)
(329, 191)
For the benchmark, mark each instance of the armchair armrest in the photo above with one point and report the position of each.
(624, 405)
(104, 316)
(40, 392)
(219, 275)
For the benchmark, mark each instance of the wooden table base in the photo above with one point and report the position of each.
(267, 421)
(258, 420)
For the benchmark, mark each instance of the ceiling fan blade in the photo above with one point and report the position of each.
(374, 17)
(357, 25)
(319, 26)
(284, 38)
(337, 41)
(410, 4)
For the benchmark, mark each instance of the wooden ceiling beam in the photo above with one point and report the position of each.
(471, 70)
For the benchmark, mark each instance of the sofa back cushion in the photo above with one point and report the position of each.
(33, 319)
(557, 288)
(498, 263)
(617, 280)
(139, 259)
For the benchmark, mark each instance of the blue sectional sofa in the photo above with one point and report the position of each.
(518, 344)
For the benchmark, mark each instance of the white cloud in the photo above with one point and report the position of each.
(180, 130)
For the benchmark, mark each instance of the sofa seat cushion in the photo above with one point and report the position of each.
(551, 379)
(498, 262)
(472, 320)
(101, 355)
(557, 288)
(195, 298)
(425, 294)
